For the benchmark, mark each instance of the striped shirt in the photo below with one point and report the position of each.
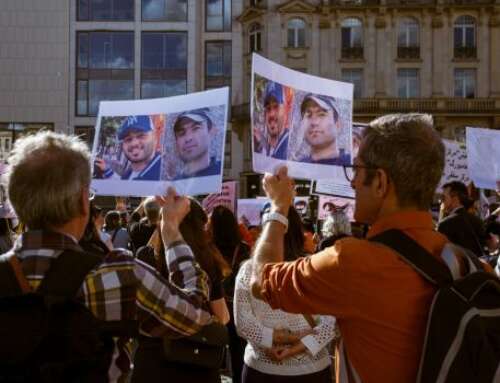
(124, 288)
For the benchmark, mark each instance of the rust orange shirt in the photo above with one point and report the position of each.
(381, 304)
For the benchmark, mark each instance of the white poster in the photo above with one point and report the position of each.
(227, 198)
(483, 157)
(455, 166)
(249, 210)
(299, 120)
(143, 146)
(301, 204)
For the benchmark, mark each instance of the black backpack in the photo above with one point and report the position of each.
(46, 335)
(462, 341)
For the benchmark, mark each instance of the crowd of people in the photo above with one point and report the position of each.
(288, 301)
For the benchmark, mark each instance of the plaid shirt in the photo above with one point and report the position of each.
(124, 288)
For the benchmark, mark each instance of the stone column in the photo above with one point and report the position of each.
(382, 50)
(325, 55)
(494, 48)
(438, 64)
(482, 43)
(426, 43)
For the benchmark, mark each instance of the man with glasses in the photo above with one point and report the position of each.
(117, 289)
(380, 302)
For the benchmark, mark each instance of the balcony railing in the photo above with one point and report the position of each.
(408, 52)
(350, 3)
(352, 52)
(465, 52)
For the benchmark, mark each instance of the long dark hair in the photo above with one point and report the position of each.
(294, 237)
(225, 231)
(193, 230)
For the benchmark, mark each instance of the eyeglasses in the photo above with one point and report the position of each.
(351, 170)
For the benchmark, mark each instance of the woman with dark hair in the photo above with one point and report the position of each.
(150, 364)
(225, 232)
(91, 241)
(282, 347)
(6, 235)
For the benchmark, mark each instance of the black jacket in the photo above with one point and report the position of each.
(464, 229)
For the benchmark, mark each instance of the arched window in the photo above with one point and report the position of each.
(296, 33)
(255, 32)
(408, 38)
(352, 38)
(464, 37)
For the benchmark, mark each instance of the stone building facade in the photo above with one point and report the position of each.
(435, 56)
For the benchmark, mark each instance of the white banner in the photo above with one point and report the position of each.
(483, 157)
(455, 166)
(143, 146)
(299, 120)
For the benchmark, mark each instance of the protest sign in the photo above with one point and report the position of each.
(249, 210)
(301, 204)
(341, 186)
(455, 166)
(328, 205)
(6, 210)
(227, 198)
(483, 157)
(299, 120)
(143, 146)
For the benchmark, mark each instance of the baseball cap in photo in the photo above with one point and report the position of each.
(275, 90)
(135, 123)
(196, 115)
(324, 102)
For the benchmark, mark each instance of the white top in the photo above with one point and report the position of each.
(255, 321)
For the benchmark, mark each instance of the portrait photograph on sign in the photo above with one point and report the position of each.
(483, 157)
(301, 120)
(143, 146)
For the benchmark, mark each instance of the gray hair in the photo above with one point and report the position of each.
(412, 153)
(46, 175)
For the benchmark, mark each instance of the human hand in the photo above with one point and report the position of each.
(285, 336)
(101, 164)
(280, 353)
(173, 210)
(279, 189)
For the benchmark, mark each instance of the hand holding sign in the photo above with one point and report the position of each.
(173, 210)
(280, 189)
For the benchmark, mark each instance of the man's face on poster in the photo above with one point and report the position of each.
(320, 126)
(139, 146)
(275, 116)
(192, 139)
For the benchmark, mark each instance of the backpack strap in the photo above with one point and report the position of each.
(415, 256)
(67, 273)
(114, 235)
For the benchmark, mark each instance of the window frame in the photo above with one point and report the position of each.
(164, 19)
(224, 15)
(463, 90)
(461, 49)
(354, 70)
(87, 73)
(163, 73)
(296, 33)
(352, 51)
(90, 19)
(407, 80)
(226, 79)
(256, 35)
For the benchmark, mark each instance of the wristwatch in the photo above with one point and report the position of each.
(275, 217)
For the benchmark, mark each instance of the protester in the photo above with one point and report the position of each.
(140, 232)
(92, 239)
(194, 131)
(226, 236)
(119, 236)
(322, 125)
(380, 302)
(150, 364)
(282, 347)
(139, 144)
(118, 289)
(6, 235)
(461, 227)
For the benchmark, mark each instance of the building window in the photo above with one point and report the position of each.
(465, 83)
(296, 33)
(255, 36)
(10, 132)
(354, 76)
(218, 15)
(227, 151)
(105, 69)
(408, 83)
(86, 133)
(408, 39)
(352, 39)
(164, 10)
(217, 64)
(164, 64)
(464, 37)
(105, 10)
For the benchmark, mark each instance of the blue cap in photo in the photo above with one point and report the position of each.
(324, 102)
(137, 123)
(275, 90)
